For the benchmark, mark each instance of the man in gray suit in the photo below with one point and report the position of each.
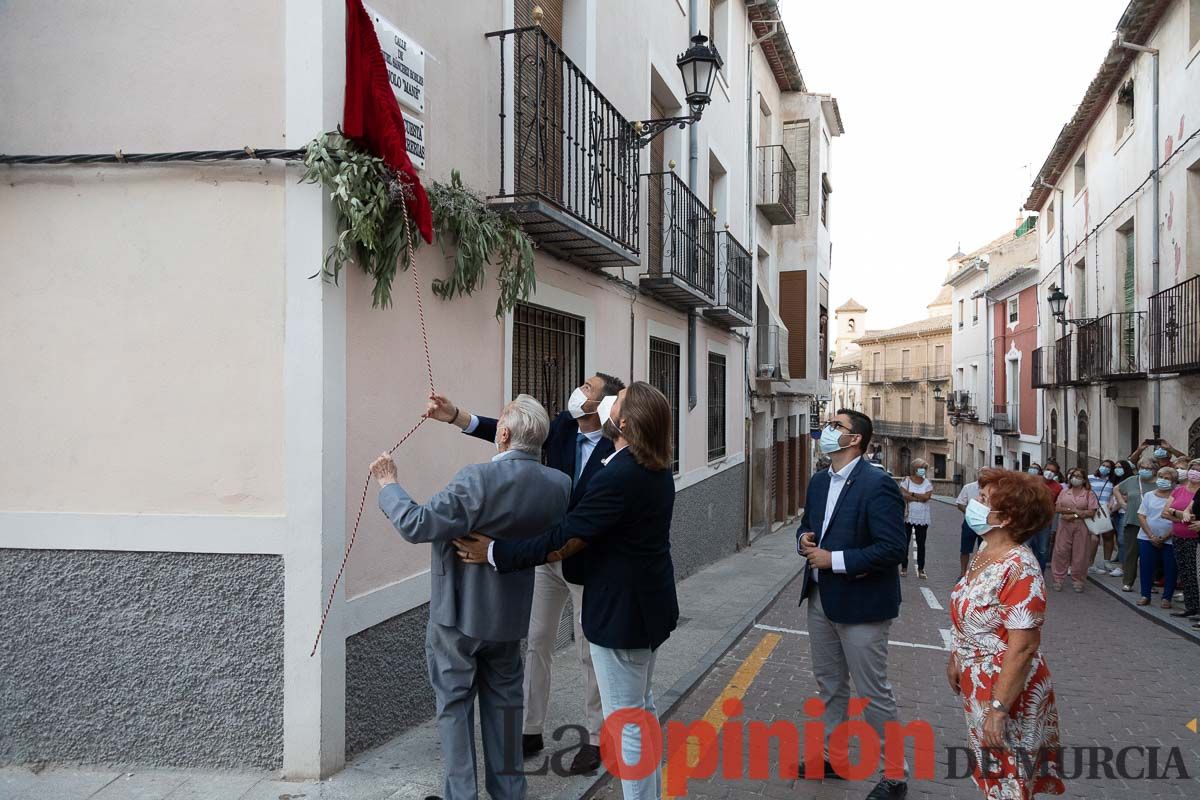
(477, 617)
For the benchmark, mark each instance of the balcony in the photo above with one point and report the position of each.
(682, 252)
(910, 430)
(911, 373)
(1006, 418)
(734, 284)
(1066, 362)
(1043, 367)
(776, 185)
(772, 353)
(1174, 321)
(567, 171)
(961, 404)
(937, 372)
(1111, 347)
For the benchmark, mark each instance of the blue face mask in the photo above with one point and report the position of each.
(977, 517)
(1104, 472)
(920, 472)
(1119, 472)
(830, 441)
(1145, 474)
(1160, 452)
(1164, 483)
(1034, 471)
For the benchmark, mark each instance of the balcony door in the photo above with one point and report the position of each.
(540, 126)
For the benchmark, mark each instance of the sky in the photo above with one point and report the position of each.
(950, 107)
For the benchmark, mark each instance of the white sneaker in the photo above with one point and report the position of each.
(1094, 570)
(1179, 596)
(1117, 573)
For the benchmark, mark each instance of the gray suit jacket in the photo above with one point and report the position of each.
(514, 497)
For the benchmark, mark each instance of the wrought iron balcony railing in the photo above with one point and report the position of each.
(1066, 361)
(1111, 347)
(1043, 367)
(772, 352)
(1006, 417)
(776, 184)
(568, 171)
(735, 288)
(961, 404)
(910, 430)
(907, 374)
(1174, 322)
(682, 253)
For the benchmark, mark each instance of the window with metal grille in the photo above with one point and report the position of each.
(716, 406)
(664, 376)
(547, 355)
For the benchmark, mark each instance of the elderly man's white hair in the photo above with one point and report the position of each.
(527, 422)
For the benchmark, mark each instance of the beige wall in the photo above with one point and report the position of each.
(146, 349)
(142, 354)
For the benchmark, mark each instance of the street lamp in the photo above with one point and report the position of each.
(937, 393)
(698, 65)
(1058, 303)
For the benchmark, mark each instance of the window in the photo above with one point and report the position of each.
(664, 376)
(906, 363)
(716, 406)
(1014, 307)
(962, 387)
(850, 325)
(718, 16)
(876, 407)
(547, 355)
(717, 190)
(939, 465)
(826, 190)
(1126, 257)
(975, 380)
(975, 311)
(939, 359)
(1049, 215)
(962, 312)
(797, 143)
(1080, 173)
(1124, 109)
(906, 409)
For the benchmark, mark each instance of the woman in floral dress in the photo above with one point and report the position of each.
(995, 664)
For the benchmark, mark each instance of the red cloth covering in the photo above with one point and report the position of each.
(371, 114)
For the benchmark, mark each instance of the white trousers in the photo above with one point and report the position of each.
(550, 593)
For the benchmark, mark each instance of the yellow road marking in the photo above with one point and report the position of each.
(736, 688)
(1192, 726)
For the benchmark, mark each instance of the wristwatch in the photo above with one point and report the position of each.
(996, 705)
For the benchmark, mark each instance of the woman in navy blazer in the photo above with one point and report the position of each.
(624, 521)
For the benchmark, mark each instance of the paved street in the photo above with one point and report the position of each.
(1120, 680)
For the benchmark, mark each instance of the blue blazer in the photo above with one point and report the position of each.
(559, 450)
(628, 577)
(868, 527)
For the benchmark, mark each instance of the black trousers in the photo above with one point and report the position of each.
(1185, 557)
(920, 531)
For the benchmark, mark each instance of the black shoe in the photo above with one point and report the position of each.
(830, 773)
(1187, 612)
(532, 744)
(888, 789)
(432, 797)
(587, 760)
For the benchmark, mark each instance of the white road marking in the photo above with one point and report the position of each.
(946, 637)
(931, 598)
(897, 644)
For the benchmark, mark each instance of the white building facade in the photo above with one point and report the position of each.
(1121, 365)
(214, 408)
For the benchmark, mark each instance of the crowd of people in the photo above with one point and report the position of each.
(580, 507)
(1136, 519)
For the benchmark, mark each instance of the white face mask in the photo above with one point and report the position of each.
(576, 401)
(605, 411)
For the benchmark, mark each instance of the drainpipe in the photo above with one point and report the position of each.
(1062, 284)
(694, 185)
(1155, 230)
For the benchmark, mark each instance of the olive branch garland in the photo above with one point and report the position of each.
(376, 231)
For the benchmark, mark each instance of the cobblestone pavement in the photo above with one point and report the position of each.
(1120, 680)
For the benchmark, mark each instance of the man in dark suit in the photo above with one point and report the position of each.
(852, 535)
(575, 447)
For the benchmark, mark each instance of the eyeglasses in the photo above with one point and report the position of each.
(833, 423)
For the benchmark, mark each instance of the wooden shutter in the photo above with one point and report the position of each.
(540, 171)
(796, 142)
(654, 194)
(552, 16)
(793, 310)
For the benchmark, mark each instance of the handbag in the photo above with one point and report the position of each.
(1100, 522)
